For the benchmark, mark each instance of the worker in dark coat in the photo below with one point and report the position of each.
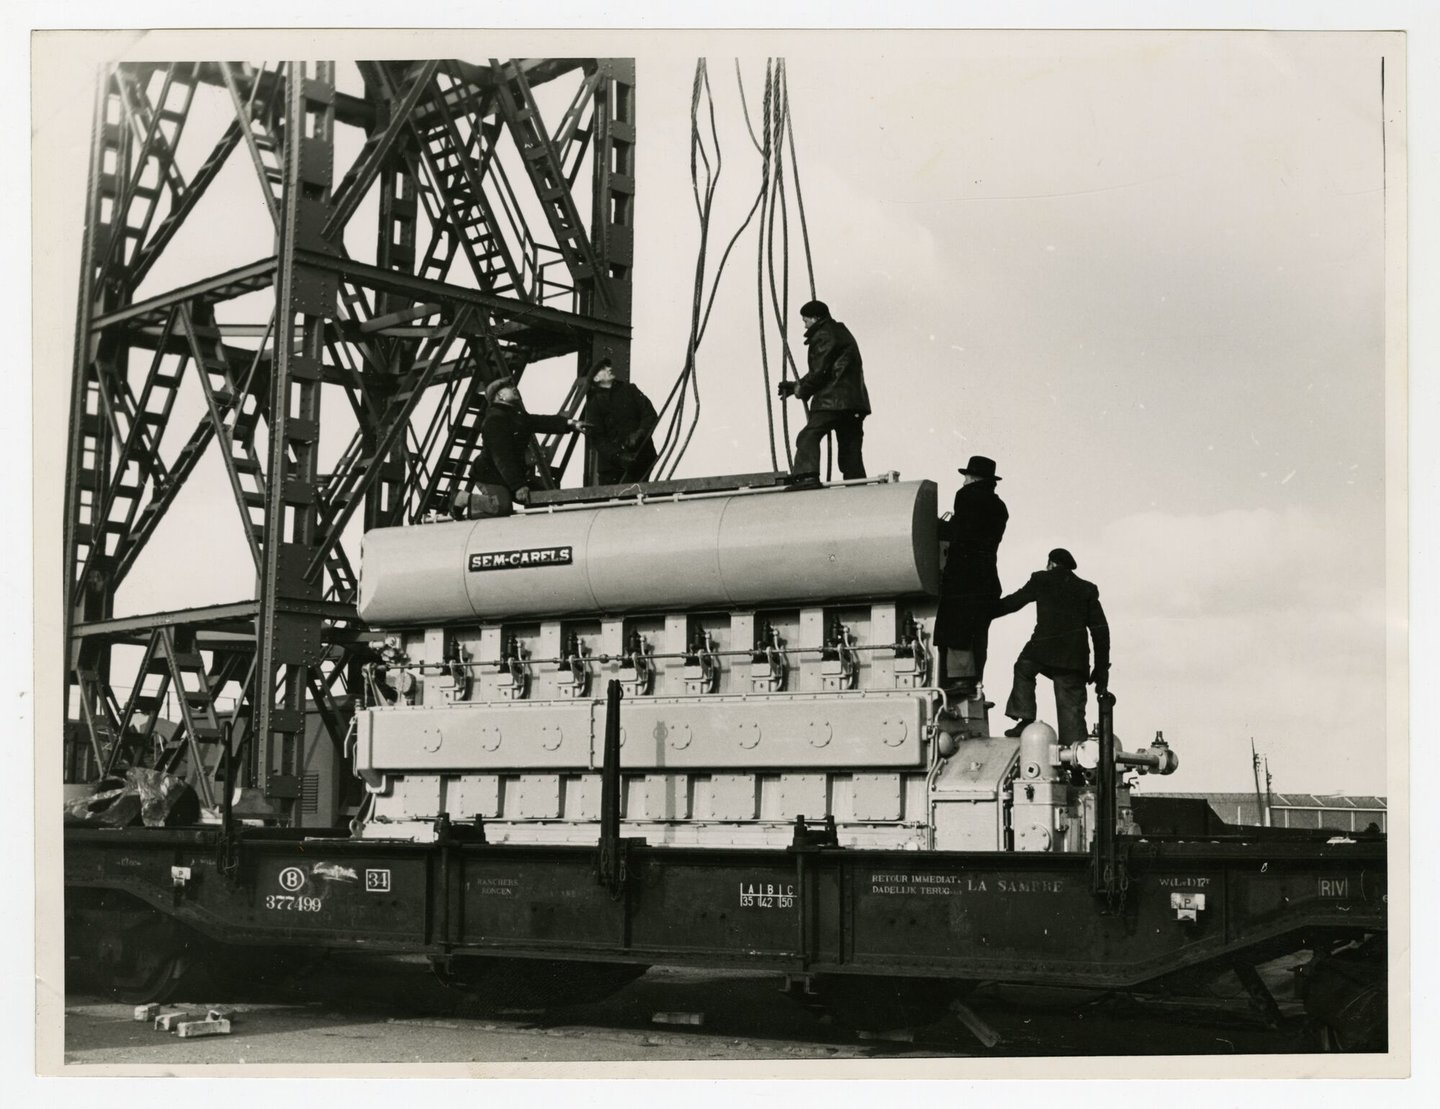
(502, 472)
(619, 420)
(1066, 608)
(835, 388)
(970, 585)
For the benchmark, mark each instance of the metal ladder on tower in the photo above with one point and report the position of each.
(172, 660)
(203, 740)
(547, 175)
(236, 411)
(159, 130)
(98, 709)
(262, 130)
(545, 447)
(462, 439)
(115, 516)
(450, 171)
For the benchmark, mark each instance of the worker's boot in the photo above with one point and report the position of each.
(1020, 726)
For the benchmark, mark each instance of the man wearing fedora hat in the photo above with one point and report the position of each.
(1066, 608)
(502, 472)
(970, 585)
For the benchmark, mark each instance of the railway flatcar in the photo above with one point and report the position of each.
(698, 723)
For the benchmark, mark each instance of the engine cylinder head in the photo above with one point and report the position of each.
(744, 548)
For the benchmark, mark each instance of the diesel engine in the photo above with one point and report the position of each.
(774, 648)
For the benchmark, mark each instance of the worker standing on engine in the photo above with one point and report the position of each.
(1066, 607)
(835, 388)
(970, 585)
(619, 420)
(502, 472)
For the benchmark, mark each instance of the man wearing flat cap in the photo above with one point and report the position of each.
(835, 388)
(619, 420)
(970, 585)
(1066, 608)
(502, 472)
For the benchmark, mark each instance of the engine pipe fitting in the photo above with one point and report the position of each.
(1039, 753)
(1109, 877)
(1154, 759)
(638, 661)
(609, 862)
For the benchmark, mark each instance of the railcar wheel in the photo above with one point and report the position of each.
(258, 972)
(1347, 998)
(1329, 1039)
(877, 1004)
(499, 983)
(133, 954)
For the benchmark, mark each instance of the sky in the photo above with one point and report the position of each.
(1145, 272)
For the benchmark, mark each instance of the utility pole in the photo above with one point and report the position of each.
(1262, 797)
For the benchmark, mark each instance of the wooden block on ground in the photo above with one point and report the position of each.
(887, 1035)
(971, 1020)
(678, 1018)
(168, 1022)
(147, 1012)
(190, 1029)
(220, 1012)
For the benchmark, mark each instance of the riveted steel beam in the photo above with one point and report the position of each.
(386, 333)
(537, 316)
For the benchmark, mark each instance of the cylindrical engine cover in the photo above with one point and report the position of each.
(840, 543)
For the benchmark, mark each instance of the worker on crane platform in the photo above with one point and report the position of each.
(619, 420)
(501, 475)
(835, 388)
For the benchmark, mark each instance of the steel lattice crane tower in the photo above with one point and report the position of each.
(488, 257)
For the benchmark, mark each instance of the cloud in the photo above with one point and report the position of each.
(1248, 623)
(1243, 560)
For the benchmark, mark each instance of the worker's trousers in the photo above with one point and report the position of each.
(849, 429)
(1070, 697)
(621, 469)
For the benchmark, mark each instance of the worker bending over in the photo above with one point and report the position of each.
(501, 475)
(835, 388)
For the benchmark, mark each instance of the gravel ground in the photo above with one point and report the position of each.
(372, 1010)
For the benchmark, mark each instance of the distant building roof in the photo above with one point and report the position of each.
(1336, 811)
(1292, 800)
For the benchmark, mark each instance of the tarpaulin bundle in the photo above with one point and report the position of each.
(152, 796)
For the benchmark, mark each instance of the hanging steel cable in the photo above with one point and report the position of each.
(778, 130)
(780, 302)
(799, 196)
(766, 131)
(788, 129)
(685, 384)
(674, 444)
(745, 108)
(679, 415)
